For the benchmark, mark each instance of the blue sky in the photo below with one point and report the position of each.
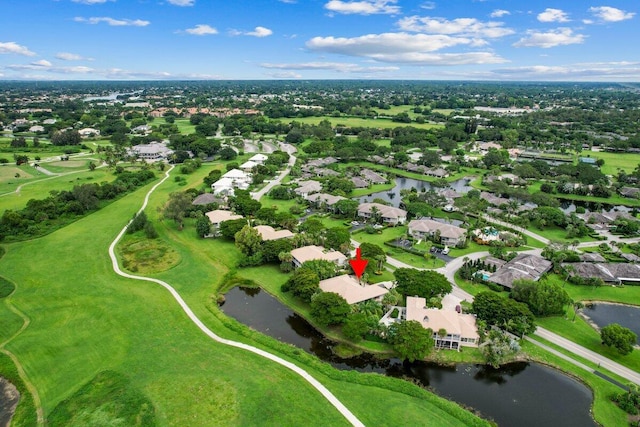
(570, 40)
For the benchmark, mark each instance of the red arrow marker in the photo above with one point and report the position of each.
(358, 265)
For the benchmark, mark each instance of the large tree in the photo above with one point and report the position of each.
(619, 337)
(336, 238)
(177, 207)
(543, 298)
(329, 308)
(410, 340)
(303, 284)
(228, 229)
(248, 240)
(504, 312)
(422, 283)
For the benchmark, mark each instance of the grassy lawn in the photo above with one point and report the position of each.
(85, 319)
(360, 122)
(375, 188)
(614, 161)
(475, 288)
(39, 188)
(581, 333)
(184, 126)
(622, 294)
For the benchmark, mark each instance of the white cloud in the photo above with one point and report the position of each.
(260, 32)
(403, 47)
(429, 5)
(288, 75)
(113, 22)
(201, 30)
(587, 21)
(600, 71)
(288, 1)
(363, 7)
(66, 56)
(257, 32)
(499, 13)
(469, 27)
(558, 37)
(182, 2)
(42, 63)
(553, 15)
(610, 14)
(14, 48)
(333, 66)
(91, 1)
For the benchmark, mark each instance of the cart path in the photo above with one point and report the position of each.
(304, 374)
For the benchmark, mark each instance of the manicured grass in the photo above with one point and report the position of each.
(25, 413)
(40, 188)
(361, 122)
(614, 161)
(85, 319)
(471, 248)
(581, 333)
(475, 288)
(184, 126)
(373, 189)
(622, 294)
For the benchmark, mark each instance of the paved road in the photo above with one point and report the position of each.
(517, 228)
(290, 149)
(592, 356)
(458, 294)
(304, 374)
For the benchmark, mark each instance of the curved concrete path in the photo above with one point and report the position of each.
(304, 374)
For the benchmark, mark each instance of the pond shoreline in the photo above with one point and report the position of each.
(9, 399)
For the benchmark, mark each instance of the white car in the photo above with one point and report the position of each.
(445, 250)
(355, 223)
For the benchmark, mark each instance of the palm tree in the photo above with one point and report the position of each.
(577, 306)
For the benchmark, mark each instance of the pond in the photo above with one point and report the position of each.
(393, 196)
(603, 314)
(568, 206)
(523, 394)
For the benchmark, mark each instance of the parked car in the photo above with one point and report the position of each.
(445, 250)
(355, 223)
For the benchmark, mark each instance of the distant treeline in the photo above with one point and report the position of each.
(41, 216)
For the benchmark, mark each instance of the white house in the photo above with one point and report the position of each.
(350, 289)
(87, 132)
(461, 328)
(307, 187)
(308, 253)
(450, 235)
(219, 216)
(233, 179)
(259, 159)
(388, 214)
(269, 233)
(248, 166)
(153, 151)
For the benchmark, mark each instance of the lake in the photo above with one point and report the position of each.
(522, 394)
(603, 314)
(393, 195)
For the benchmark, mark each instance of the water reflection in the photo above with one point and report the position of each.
(603, 314)
(518, 394)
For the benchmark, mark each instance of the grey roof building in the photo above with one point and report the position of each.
(523, 266)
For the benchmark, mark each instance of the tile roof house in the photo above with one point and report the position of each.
(592, 257)
(388, 214)
(461, 328)
(631, 192)
(248, 166)
(523, 266)
(351, 290)
(219, 216)
(372, 176)
(324, 199)
(269, 233)
(450, 235)
(206, 199)
(151, 152)
(308, 253)
(615, 272)
(359, 182)
(307, 187)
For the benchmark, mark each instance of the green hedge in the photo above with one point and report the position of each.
(6, 287)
